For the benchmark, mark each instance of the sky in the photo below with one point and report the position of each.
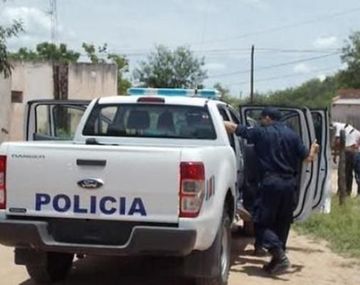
(294, 40)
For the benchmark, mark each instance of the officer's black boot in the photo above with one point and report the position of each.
(279, 262)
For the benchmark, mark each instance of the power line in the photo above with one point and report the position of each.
(280, 28)
(284, 76)
(232, 50)
(274, 65)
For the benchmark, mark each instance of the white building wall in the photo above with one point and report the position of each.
(5, 103)
(346, 113)
(88, 81)
(35, 80)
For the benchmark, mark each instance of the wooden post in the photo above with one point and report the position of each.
(341, 169)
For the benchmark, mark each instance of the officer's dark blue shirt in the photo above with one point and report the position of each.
(278, 148)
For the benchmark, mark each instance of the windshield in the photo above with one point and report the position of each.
(150, 120)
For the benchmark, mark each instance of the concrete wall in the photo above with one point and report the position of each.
(88, 81)
(35, 80)
(346, 113)
(5, 99)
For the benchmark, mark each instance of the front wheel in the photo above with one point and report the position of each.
(222, 248)
(50, 267)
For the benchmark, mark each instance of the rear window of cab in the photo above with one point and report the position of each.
(150, 120)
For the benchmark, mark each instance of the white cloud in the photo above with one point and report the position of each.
(321, 77)
(34, 20)
(214, 66)
(302, 68)
(325, 42)
(37, 26)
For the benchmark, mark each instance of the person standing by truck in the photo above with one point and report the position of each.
(280, 151)
(352, 155)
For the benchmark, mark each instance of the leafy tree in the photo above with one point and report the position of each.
(313, 93)
(225, 95)
(171, 69)
(101, 55)
(351, 56)
(6, 33)
(92, 53)
(47, 51)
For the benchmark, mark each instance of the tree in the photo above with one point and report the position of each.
(351, 56)
(171, 69)
(313, 93)
(47, 51)
(6, 33)
(103, 56)
(225, 95)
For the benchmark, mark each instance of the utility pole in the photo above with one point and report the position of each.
(252, 76)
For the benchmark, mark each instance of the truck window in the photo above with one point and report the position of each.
(57, 121)
(225, 117)
(150, 120)
(288, 117)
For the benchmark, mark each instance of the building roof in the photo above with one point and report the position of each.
(349, 93)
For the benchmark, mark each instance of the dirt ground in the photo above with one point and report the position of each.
(312, 263)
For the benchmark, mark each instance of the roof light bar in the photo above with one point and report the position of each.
(204, 93)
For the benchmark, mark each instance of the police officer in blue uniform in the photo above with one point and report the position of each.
(280, 151)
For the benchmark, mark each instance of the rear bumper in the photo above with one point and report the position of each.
(143, 240)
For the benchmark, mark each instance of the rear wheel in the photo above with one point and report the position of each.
(223, 242)
(50, 267)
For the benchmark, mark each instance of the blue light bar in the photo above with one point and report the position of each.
(204, 93)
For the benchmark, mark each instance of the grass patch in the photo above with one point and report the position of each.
(341, 228)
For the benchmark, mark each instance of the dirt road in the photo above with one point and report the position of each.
(312, 263)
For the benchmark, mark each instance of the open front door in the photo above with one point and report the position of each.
(53, 119)
(300, 120)
(322, 132)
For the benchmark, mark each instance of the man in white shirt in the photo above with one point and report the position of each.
(352, 155)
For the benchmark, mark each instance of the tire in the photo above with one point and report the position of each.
(50, 267)
(223, 241)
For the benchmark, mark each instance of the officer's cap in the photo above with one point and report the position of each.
(272, 112)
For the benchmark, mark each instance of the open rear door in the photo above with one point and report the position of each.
(53, 119)
(322, 133)
(300, 120)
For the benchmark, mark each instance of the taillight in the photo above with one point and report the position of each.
(2, 182)
(192, 188)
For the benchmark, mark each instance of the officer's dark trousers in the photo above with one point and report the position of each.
(357, 169)
(349, 168)
(274, 213)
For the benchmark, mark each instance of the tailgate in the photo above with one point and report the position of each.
(94, 182)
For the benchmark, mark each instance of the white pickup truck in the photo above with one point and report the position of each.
(142, 175)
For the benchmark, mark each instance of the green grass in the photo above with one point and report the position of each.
(340, 228)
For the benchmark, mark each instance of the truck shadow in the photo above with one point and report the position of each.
(94, 270)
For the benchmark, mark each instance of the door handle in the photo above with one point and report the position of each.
(91, 162)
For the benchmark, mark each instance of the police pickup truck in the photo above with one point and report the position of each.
(154, 173)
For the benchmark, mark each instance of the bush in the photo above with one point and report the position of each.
(341, 228)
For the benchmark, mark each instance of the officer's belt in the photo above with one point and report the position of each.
(280, 175)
